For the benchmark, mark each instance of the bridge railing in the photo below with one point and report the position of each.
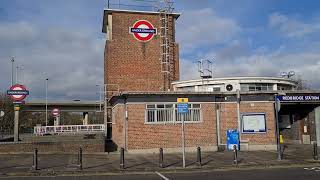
(69, 129)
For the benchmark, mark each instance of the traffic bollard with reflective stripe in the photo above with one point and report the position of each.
(235, 155)
(122, 158)
(161, 157)
(199, 156)
(35, 159)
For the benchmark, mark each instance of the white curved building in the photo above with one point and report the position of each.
(231, 84)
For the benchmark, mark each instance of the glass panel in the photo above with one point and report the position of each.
(151, 106)
(216, 89)
(169, 105)
(252, 88)
(196, 105)
(160, 105)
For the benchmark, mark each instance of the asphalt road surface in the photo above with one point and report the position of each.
(264, 174)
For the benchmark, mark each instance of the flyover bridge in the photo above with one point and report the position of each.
(66, 106)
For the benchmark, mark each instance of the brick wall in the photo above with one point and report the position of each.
(118, 126)
(148, 136)
(229, 120)
(151, 136)
(135, 65)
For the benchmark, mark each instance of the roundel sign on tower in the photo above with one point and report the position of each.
(143, 30)
(18, 92)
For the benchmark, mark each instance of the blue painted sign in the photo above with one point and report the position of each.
(183, 108)
(232, 139)
(302, 97)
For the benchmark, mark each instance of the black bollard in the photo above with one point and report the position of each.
(80, 159)
(122, 158)
(35, 159)
(199, 156)
(161, 158)
(281, 151)
(315, 151)
(235, 155)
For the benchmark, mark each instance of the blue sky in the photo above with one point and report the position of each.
(62, 40)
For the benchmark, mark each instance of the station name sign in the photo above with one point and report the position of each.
(299, 98)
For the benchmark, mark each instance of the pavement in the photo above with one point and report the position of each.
(52, 164)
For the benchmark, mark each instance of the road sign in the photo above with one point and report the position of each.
(183, 108)
(143, 30)
(55, 112)
(18, 92)
(182, 100)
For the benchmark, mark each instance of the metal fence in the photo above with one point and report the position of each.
(69, 129)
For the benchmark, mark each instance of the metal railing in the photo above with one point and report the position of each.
(69, 129)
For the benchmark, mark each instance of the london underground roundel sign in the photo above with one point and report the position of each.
(55, 112)
(18, 92)
(143, 30)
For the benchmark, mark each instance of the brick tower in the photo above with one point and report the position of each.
(140, 51)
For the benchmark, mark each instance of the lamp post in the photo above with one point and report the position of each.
(47, 101)
(17, 69)
(12, 70)
(100, 96)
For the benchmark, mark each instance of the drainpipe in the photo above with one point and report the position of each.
(125, 124)
(218, 125)
(238, 113)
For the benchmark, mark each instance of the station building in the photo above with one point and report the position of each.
(142, 85)
(232, 84)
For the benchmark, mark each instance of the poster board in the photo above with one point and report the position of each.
(253, 123)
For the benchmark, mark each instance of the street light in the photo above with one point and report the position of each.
(47, 101)
(17, 69)
(12, 70)
(100, 90)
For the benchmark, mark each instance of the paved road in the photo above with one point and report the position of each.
(264, 174)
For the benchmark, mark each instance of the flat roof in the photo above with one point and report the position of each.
(186, 93)
(110, 11)
(238, 78)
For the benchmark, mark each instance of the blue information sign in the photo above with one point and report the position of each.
(183, 108)
(232, 139)
(302, 97)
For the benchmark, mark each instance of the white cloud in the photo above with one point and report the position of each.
(306, 64)
(292, 28)
(72, 60)
(204, 27)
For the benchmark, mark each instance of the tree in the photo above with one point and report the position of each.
(6, 122)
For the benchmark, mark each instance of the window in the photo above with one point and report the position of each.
(188, 89)
(256, 87)
(168, 113)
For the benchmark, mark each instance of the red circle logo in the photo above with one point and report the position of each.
(55, 112)
(21, 92)
(143, 30)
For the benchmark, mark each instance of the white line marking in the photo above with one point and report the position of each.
(162, 176)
